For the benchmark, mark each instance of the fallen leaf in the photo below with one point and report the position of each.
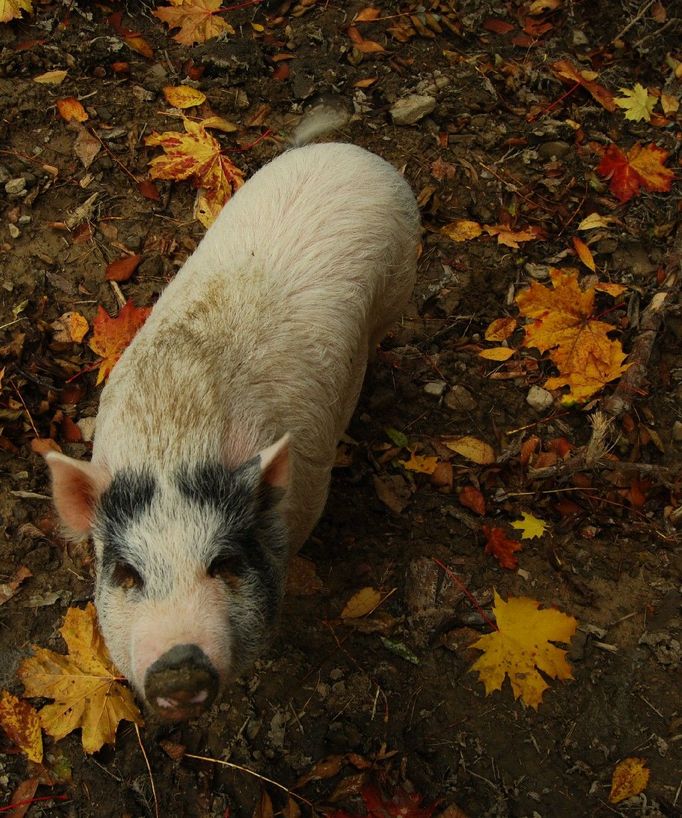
(563, 323)
(500, 329)
(183, 96)
(12, 9)
(219, 124)
(543, 6)
(502, 547)
(462, 230)
(196, 19)
(367, 82)
(51, 77)
(566, 70)
(71, 110)
(497, 353)
(670, 104)
(640, 167)
(530, 526)
(10, 588)
(21, 723)
(630, 777)
(84, 684)
(522, 646)
(327, 768)
(70, 328)
(511, 238)
(422, 464)
(584, 253)
(366, 15)
(594, 220)
(361, 603)
(610, 288)
(472, 448)
(393, 491)
(402, 804)
(138, 44)
(470, 497)
(112, 335)
(86, 147)
(636, 102)
(122, 268)
(197, 154)
(302, 578)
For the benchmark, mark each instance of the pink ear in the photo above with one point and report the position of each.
(274, 463)
(76, 487)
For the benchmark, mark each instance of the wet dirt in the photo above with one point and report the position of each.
(325, 687)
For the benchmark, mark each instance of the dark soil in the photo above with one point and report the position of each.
(518, 149)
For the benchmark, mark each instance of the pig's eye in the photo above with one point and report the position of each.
(125, 576)
(228, 568)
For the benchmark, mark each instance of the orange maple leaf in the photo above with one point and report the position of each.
(567, 71)
(112, 335)
(196, 20)
(197, 155)
(501, 547)
(640, 167)
(578, 343)
(511, 238)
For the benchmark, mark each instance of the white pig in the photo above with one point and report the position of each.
(217, 431)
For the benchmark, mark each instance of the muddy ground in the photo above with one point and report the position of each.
(511, 145)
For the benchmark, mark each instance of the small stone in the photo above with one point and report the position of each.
(15, 187)
(156, 77)
(411, 109)
(24, 220)
(459, 399)
(539, 399)
(13, 231)
(554, 150)
(537, 271)
(435, 388)
(677, 431)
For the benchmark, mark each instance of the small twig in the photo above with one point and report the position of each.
(9, 323)
(28, 801)
(634, 20)
(118, 293)
(23, 403)
(151, 777)
(246, 770)
(453, 576)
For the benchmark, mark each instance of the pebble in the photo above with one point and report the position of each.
(411, 109)
(15, 187)
(539, 399)
(435, 388)
(13, 231)
(677, 431)
(459, 399)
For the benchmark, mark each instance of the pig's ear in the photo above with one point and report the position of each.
(76, 488)
(274, 464)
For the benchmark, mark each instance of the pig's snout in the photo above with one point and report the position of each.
(181, 684)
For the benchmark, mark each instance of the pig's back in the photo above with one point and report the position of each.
(266, 328)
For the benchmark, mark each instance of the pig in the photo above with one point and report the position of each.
(217, 430)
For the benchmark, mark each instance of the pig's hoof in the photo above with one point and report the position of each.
(181, 684)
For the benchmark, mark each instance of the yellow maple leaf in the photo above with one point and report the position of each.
(22, 724)
(509, 237)
(578, 343)
(11, 9)
(420, 463)
(183, 96)
(196, 19)
(84, 684)
(197, 155)
(630, 777)
(636, 102)
(522, 646)
(462, 230)
(530, 525)
(361, 603)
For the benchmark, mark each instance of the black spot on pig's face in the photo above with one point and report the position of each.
(127, 499)
(249, 549)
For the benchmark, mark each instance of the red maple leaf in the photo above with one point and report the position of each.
(640, 167)
(112, 335)
(501, 547)
(402, 804)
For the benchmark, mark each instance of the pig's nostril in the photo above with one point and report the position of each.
(182, 683)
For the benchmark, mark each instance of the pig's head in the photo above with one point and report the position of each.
(190, 568)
